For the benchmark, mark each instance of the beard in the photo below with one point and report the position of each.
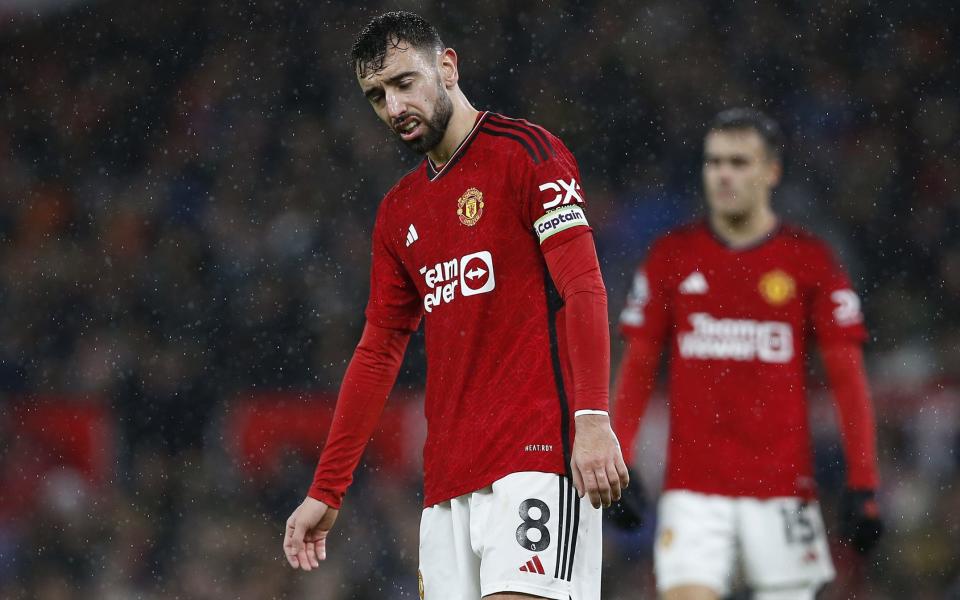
(436, 126)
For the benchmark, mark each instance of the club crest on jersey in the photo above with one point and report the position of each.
(666, 538)
(470, 207)
(777, 287)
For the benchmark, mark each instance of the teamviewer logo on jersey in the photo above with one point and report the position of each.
(472, 274)
(477, 269)
(736, 339)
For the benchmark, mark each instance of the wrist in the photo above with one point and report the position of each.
(328, 497)
(592, 421)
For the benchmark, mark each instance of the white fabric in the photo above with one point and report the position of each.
(590, 411)
(780, 543)
(470, 546)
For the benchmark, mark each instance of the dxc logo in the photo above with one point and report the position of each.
(566, 192)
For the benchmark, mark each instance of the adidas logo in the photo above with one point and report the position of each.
(412, 235)
(533, 566)
(695, 283)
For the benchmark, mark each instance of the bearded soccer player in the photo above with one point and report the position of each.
(739, 298)
(488, 243)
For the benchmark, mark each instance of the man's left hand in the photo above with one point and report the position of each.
(596, 463)
(860, 523)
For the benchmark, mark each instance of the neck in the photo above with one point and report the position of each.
(461, 122)
(746, 229)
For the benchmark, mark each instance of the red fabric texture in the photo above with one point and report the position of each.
(461, 250)
(575, 271)
(363, 394)
(737, 324)
(844, 365)
(635, 383)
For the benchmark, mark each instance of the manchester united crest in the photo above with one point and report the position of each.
(777, 287)
(470, 207)
(666, 538)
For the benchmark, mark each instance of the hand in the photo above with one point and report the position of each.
(860, 523)
(305, 540)
(627, 513)
(597, 465)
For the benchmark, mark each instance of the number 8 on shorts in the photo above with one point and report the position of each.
(529, 532)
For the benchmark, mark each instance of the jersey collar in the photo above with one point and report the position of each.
(773, 233)
(434, 172)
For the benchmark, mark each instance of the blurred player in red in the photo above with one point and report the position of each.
(739, 297)
(487, 242)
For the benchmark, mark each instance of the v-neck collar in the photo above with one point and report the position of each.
(434, 173)
(773, 233)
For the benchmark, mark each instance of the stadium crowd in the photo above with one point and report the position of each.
(188, 190)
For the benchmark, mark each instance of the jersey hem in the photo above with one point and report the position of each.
(478, 484)
(716, 491)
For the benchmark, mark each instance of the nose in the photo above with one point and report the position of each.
(725, 172)
(395, 105)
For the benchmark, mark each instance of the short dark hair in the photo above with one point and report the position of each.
(738, 119)
(387, 31)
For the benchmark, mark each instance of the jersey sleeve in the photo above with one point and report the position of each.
(553, 198)
(394, 302)
(836, 310)
(647, 312)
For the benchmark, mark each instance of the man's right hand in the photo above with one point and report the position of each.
(305, 540)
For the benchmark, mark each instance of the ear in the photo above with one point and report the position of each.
(775, 172)
(447, 66)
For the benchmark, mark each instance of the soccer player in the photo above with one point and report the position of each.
(487, 241)
(738, 298)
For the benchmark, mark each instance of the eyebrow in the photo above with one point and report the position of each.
(392, 81)
(721, 156)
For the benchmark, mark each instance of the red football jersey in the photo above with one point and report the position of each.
(463, 247)
(739, 322)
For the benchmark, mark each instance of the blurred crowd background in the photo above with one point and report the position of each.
(186, 196)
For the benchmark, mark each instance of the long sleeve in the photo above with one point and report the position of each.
(575, 271)
(845, 370)
(363, 394)
(635, 382)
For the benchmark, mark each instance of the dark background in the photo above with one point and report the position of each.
(186, 196)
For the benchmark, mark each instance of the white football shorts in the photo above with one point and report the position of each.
(529, 533)
(780, 543)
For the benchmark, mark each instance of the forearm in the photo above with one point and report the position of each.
(845, 370)
(634, 386)
(588, 344)
(366, 384)
(575, 271)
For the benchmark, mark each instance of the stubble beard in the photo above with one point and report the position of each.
(436, 125)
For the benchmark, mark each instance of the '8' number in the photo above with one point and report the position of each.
(532, 533)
